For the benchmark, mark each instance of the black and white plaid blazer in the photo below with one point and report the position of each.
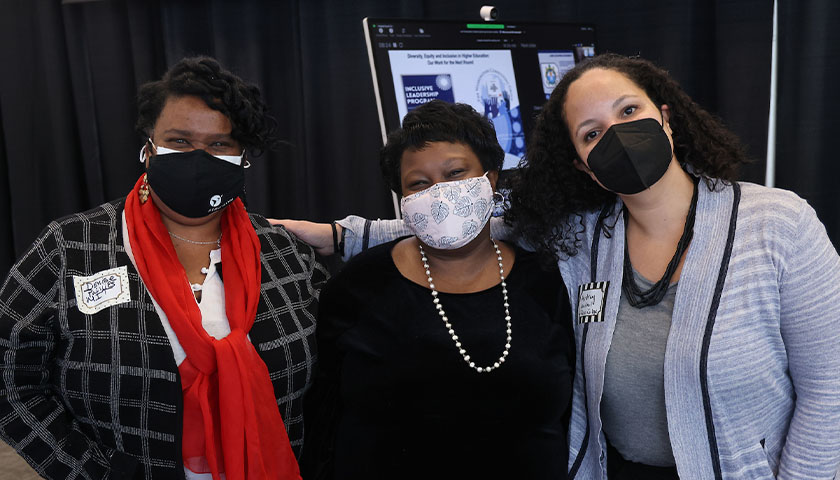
(98, 395)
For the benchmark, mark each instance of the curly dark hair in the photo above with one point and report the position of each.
(439, 121)
(548, 192)
(221, 90)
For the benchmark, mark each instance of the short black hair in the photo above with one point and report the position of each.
(221, 90)
(439, 121)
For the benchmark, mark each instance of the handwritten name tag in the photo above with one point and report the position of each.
(102, 290)
(592, 297)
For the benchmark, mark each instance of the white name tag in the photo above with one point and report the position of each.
(102, 290)
(592, 297)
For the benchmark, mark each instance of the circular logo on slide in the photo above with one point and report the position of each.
(495, 95)
(493, 91)
(443, 82)
(550, 75)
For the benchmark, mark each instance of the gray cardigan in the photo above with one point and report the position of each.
(752, 364)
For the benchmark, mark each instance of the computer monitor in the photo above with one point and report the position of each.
(505, 70)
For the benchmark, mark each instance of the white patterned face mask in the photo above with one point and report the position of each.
(449, 215)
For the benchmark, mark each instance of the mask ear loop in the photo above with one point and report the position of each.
(662, 116)
(144, 149)
(583, 164)
(245, 164)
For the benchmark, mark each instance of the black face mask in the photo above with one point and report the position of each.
(195, 184)
(631, 157)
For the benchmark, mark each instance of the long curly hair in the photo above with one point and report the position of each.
(549, 194)
(221, 90)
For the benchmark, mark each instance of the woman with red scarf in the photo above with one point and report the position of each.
(167, 334)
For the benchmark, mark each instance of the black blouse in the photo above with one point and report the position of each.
(393, 397)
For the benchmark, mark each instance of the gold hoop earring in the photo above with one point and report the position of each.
(143, 192)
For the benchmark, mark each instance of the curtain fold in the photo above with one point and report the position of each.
(40, 130)
(7, 243)
(808, 102)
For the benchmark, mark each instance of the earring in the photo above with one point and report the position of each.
(143, 193)
(498, 198)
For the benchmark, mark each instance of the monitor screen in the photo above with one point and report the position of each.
(506, 71)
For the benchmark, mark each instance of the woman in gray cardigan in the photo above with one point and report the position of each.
(705, 309)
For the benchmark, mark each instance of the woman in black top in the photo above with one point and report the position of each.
(444, 354)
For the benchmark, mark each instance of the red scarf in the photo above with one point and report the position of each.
(225, 375)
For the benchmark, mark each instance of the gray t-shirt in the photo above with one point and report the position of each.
(633, 404)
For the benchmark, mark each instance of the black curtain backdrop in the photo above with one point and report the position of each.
(808, 102)
(70, 72)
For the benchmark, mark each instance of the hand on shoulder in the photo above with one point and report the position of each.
(318, 235)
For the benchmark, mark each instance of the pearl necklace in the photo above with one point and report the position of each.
(217, 242)
(448, 325)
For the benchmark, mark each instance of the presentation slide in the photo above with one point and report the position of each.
(553, 65)
(481, 78)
